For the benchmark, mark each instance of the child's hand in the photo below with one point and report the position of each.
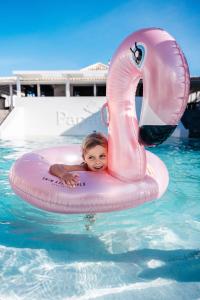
(70, 179)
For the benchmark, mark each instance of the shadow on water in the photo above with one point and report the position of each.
(182, 265)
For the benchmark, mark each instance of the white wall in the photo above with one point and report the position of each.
(53, 116)
(13, 126)
(47, 116)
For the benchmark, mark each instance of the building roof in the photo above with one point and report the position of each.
(8, 80)
(96, 67)
(95, 72)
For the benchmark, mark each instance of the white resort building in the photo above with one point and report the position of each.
(52, 103)
(49, 103)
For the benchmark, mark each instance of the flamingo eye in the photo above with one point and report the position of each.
(138, 53)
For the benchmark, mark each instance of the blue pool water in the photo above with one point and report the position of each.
(150, 252)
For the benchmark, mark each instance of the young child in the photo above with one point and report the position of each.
(95, 158)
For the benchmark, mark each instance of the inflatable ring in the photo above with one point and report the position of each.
(97, 191)
(135, 175)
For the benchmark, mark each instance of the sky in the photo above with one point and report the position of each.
(69, 35)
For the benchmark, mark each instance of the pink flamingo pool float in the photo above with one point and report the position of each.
(135, 175)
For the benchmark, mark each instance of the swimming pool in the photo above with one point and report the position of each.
(150, 252)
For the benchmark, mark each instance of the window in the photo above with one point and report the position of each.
(52, 90)
(82, 90)
(29, 90)
(101, 90)
(46, 90)
(59, 90)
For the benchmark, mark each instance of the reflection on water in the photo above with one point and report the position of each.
(149, 252)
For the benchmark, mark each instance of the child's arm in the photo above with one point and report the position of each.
(63, 172)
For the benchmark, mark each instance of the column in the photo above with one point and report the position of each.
(18, 87)
(11, 96)
(38, 90)
(95, 90)
(67, 89)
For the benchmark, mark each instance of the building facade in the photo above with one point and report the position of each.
(52, 103)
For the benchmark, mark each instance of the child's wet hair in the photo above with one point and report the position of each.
(92, 140)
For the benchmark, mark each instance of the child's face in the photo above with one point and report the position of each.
(96, 158)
